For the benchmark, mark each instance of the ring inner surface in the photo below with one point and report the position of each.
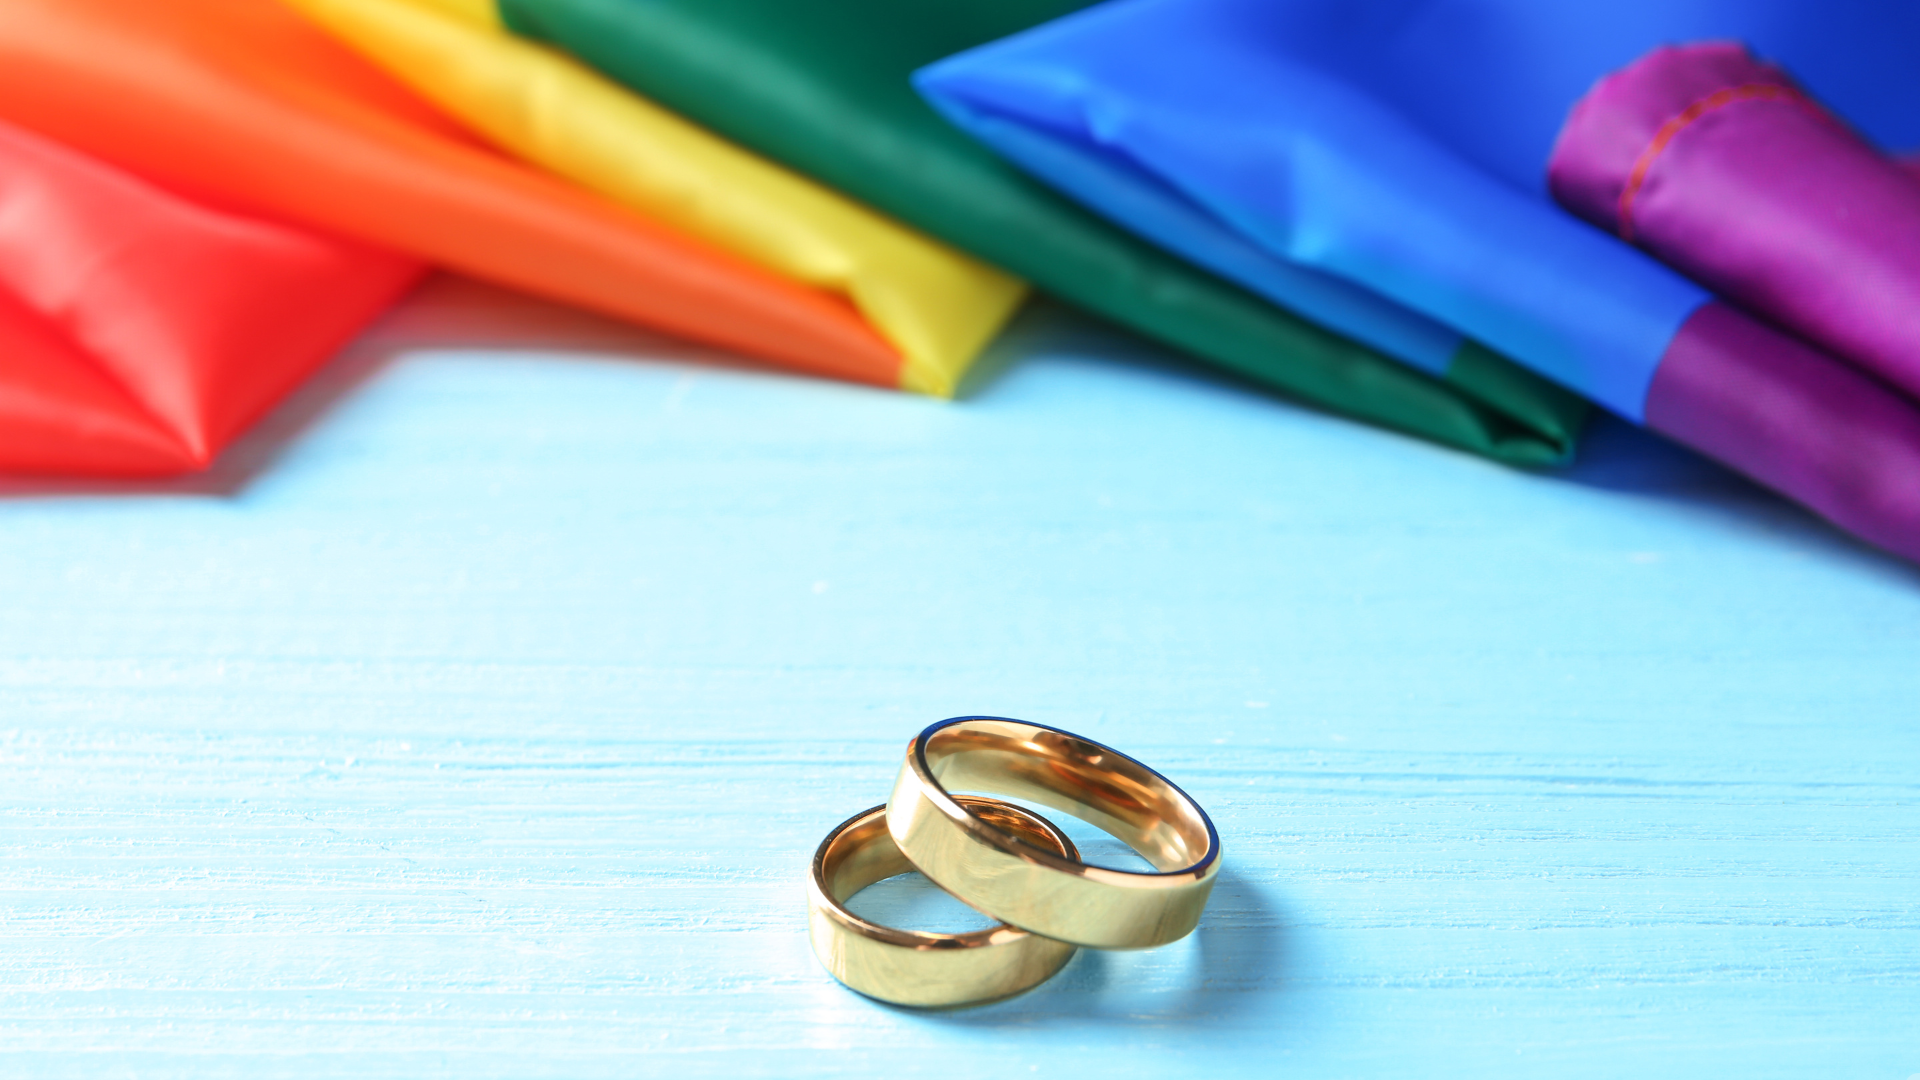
(861, 855)
(1096, 785)
(864, 853)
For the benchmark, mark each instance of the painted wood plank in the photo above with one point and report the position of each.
(481, 720)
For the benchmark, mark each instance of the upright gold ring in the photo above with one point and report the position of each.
(911, 967)
(1047, 891)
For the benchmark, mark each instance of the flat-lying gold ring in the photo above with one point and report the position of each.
(911, 967)
(1035, 889)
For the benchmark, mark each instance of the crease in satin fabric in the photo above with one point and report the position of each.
(60, 414)
(145, 331)
(1718, 165)
(936, 305)
(1324, 158)
(823, 87)
(248, 106)
(1320, 174)
(1106, 179)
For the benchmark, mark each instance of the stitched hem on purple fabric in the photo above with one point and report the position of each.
(1609, 129)
(1714, 163)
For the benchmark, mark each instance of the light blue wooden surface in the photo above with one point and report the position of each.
(483, 725)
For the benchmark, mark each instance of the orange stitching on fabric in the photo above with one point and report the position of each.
(1719, 99)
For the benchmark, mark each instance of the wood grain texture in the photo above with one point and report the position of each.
(482, 722)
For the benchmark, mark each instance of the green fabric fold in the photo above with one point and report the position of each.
(822, 86)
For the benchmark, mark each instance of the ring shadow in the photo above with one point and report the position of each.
(1235, 963)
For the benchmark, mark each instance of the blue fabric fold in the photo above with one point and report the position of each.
(1378, 165)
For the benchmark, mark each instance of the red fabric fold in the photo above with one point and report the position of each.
(142, 331)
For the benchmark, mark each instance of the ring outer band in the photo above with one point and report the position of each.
(1025, 886)
(919, 968)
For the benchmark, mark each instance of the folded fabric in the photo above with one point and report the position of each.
(937, 306)
(142, 331)
(247, 103)
(1400, 146)
(1725, 170)
(823, 87)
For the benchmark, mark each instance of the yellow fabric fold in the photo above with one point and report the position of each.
(939, 307)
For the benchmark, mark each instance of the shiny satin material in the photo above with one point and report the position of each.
(1133, 197)
(823, 87)
(1797, 420)
(1383, 143)
(1725, 170)
(1319, 174)
(245, 103)
(937, 306)
(141, 331)
(1471, 93)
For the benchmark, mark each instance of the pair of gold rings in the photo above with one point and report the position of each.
(1009, 862)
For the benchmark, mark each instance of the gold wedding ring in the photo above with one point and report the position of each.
(1041, 887)
(911, 967)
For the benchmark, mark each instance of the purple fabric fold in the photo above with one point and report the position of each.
(1724, 169)
(1795, 419)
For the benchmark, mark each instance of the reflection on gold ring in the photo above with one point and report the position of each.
(1029, 886)
(910, 967)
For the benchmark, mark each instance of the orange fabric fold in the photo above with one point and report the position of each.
(244, 103)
